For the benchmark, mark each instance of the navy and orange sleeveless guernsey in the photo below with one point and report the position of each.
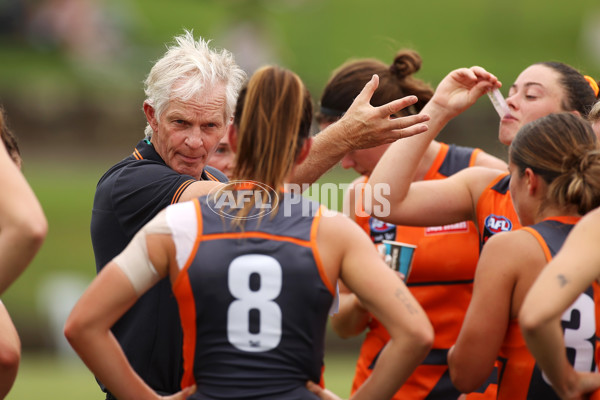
(519, 376)
(129, 195)
(254, 301)
(495, 210)
(441, 279)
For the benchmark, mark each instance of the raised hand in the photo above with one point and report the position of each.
(366, 126)
(462, 87)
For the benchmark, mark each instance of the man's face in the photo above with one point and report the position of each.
(189, 131)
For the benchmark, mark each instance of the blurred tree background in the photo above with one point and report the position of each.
(71, 74)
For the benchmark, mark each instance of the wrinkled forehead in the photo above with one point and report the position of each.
(211, 99)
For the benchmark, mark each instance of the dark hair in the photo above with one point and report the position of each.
(580, 95)
(562, 148)
(9, 139)
(395, 81)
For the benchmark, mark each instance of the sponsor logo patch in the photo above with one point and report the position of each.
(460, 227)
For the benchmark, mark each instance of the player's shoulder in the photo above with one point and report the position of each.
(212, 174)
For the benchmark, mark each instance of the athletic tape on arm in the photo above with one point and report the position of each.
(134, 260)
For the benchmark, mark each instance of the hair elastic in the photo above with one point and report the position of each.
(331, 112)
(593, 84)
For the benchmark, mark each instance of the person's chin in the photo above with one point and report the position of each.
(194, 172)
(506, 135)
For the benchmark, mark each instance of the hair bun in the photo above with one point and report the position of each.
(406, 63)
(580, 160)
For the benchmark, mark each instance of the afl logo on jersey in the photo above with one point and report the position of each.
(381, 230)
(378, 226)
(497, 223)
(494, 224)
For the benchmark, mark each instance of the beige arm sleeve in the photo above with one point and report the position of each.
(134, 260)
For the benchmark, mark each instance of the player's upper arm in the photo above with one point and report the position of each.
(472, 357)
(378, 287)
(439, 202)
(487, 160)
(198, 189)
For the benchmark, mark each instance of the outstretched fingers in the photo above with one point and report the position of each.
(367, 92)
(394, 106)
(403, 133)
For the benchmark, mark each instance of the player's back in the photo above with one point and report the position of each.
(256, 325)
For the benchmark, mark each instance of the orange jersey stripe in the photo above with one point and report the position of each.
(541, 241)
(474, 155)
(313, 241)
(137, 154)
(180, 190)
(182, 290)
(211, 176)
(268, 236)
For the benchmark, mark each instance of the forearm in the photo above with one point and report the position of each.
(23, 225)
(87, 329)
(103, 355)
(10, 352)
(398, 165)
(328, 148)
(394, 365)
(18, 245)
(351, 319)
(545, 341)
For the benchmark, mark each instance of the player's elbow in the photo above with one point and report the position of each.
(10, 357)
(531, 321)
(421, 336)
(463, 383)
(34, 230)
(467, 378)
(74, 330)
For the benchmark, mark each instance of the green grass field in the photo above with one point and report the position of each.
(47, 377)
(66, 193)
(312, 37)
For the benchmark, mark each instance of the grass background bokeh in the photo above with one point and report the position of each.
(76, 116)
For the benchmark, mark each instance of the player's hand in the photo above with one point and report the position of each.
(587, 386)
(323, 394)
(181, 395)
(461, 88)
(365, 126)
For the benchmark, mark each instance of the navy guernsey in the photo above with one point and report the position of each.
(128, 196)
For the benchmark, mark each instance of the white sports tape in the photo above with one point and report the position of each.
(134, 260)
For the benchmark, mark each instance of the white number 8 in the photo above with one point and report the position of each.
(268, 335)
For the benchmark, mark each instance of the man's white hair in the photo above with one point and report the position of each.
(188, 68)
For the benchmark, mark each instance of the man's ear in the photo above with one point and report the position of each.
(232, 137)
(151, 116)
(305, 150)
